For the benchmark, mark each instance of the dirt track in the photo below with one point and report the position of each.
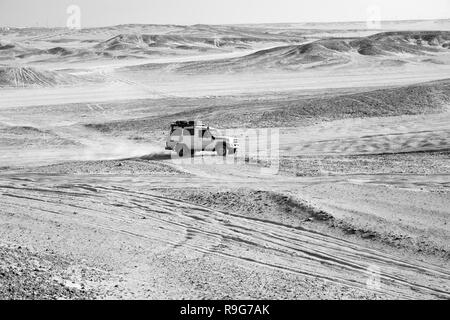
(116, 215)
(131, 220)
(130, 211)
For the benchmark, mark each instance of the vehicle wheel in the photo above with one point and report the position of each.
(182, 151)
(221, 150)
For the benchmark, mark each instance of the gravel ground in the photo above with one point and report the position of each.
(28, 275)
(110, 167)
(426, 163)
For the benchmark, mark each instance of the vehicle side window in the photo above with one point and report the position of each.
(188, 132)
(206, 134)
(176, 133)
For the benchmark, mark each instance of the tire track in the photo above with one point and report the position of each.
(193, 229)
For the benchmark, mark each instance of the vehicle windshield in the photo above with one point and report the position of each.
(215, 132)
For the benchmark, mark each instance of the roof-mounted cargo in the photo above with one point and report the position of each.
(183, 124)
(186, 124)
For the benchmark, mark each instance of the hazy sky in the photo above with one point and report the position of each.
(111, 12)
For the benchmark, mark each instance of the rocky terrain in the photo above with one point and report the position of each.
(27, 275)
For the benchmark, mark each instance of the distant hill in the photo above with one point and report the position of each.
(191, 39)
(421, 98)
(323, 52)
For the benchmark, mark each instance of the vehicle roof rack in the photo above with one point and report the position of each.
(185, 123)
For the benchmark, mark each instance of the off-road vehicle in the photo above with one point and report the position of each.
(188, 137)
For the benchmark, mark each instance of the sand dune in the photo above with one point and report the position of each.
(144, 41)
(403, 42)
(287, 48)
(59, 51)
(27, 76)
(137, 41)
(19, 137)
(424, 98)
(325, 52)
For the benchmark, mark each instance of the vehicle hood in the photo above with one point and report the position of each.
(227, 138)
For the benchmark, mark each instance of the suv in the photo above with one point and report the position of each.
(187, 137)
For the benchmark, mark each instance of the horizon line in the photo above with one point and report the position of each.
(225, 24)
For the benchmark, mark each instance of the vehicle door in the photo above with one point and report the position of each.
(188, 137)
(198, 139)
(175, 137)
(207, 140)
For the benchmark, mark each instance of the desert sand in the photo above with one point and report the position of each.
(354, 206)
